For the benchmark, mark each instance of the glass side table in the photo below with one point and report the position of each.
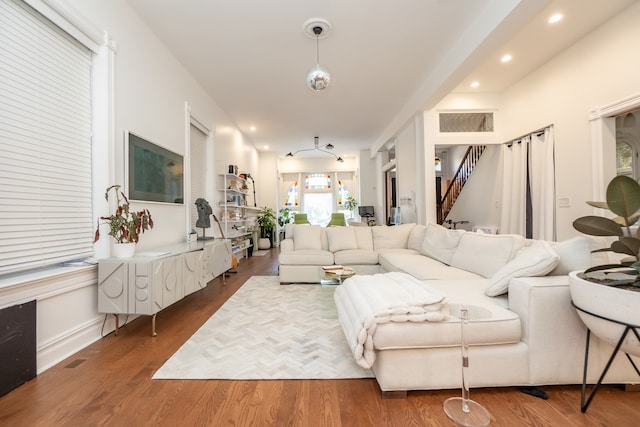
(334, 275)
(463, 410)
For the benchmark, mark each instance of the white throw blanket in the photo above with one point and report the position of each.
(383, 298)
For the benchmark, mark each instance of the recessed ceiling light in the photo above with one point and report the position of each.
(475, 84)
(506, 58)
(252, 128)
(555, 18)
(266, 147)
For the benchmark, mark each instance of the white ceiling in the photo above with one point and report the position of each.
(388, 60)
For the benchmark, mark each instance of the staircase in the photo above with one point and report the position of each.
(463, 173)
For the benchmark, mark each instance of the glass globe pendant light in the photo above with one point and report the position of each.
(318, 77)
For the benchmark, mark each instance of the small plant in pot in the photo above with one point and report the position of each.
(603, 294)
(125, 225)
(267, 222)
(623, 199)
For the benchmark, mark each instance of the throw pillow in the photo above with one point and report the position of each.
(341, 238)
(440, 243)
(484, 254)
(574, 253)
(307, 236)
(391, 237)
(364, 237)
(416, 236)
(537, 259)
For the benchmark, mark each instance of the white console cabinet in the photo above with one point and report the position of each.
(152, 281)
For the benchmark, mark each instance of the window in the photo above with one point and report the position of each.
(466, 122)
(45, 138)
(317, 181)
(293, 197)
(343, 193)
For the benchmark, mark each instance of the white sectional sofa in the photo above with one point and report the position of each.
(523, 330)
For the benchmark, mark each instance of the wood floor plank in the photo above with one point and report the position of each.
(109, 384)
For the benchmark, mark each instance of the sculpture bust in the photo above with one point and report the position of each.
(204, 211)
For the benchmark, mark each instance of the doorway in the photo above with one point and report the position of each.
(628, 144)
(391, 199)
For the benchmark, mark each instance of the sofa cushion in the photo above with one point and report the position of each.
(307, 236)
(356, 257)
(422, 267)
(306, 257)
(341, 238)
(440, 243)
(485, 254)
(391, 237)
(364, 238)
(537, 259)
(416, 236)
(574, 255)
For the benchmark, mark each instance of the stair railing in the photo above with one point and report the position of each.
(468, 163)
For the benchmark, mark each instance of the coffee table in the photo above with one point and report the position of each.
(334, 275)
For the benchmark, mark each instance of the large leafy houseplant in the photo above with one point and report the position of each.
(266, 221)
(125, 225)
(623, 199)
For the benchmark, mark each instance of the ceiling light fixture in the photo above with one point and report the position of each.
(319, 76)
(506, 58)
(555, 18)
(317, 147)
(475, 84)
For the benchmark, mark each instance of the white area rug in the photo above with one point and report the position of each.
(259, 253)
(268, 331)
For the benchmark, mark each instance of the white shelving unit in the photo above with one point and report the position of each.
(236, 217)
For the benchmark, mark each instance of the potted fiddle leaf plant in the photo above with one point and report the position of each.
(608, 294)
(125, 225)
(267, 222)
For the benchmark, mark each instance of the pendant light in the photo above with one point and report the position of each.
(319, 76)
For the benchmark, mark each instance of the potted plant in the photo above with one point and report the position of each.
(284, 217)
(351, 204)
(125, 225)
(267, 222)
(612, 291)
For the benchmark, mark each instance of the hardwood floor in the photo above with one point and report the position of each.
(109, 383)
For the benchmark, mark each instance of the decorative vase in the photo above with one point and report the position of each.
(606, 302)
(264, 243)
(124, 250)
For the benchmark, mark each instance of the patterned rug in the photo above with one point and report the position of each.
(268, 331)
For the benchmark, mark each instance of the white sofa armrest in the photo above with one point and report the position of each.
(550, 327)
(286, 246)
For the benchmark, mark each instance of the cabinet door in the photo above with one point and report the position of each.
(112, 287)
(221, 259)
(167, 288)
(141, 291)
(206, 274)
(191, 272)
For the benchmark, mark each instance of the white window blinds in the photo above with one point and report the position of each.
(45, 142)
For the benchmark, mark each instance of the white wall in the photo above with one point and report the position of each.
(601, 68)
(150, 91)
(406, 181)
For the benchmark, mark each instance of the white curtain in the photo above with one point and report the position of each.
(528, 192)
(514, 187)
(542, 184)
